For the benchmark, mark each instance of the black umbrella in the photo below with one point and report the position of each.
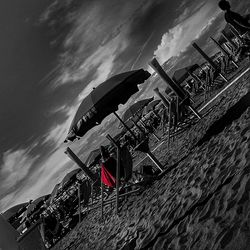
(104, 100)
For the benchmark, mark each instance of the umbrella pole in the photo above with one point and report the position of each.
(79, 201)
(101, 200)
(124, 124)
(118, 167)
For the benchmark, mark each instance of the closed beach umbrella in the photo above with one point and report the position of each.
(104, 100)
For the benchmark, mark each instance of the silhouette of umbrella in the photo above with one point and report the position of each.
(151, 106)
(93, 156)
(69, 176)
(136, 109)
(180, 75)
(104, 100)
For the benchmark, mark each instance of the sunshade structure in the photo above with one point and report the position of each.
(135, 111)
(182, 74)
(151, 106)
(104, 100)
(13, 210)
(94, 156)
(70, 176)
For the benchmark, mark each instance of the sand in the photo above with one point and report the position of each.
(201, 202)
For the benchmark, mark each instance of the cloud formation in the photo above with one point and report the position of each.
(178, 38)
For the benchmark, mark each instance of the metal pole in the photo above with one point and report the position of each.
(118, 166)
(125, 125)
(85, 169)
(101, 199)
(79, 201)
(169, 122)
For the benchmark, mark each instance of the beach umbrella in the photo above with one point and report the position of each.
(69, 176)
(93, 156)
(104, 100)
(180, 75)
(151, 106)
(135, 110)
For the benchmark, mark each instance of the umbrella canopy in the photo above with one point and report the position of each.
(13, 210)
(136, 109)
(94, 155)
(104, 99)
(180, 75)
(151, 106)
(69, 176)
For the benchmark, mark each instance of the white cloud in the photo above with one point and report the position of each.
(16, 166)
(49, 172)
(177, 39)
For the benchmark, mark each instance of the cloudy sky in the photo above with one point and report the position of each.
(54, 52)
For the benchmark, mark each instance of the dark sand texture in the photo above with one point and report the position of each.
(200, 203)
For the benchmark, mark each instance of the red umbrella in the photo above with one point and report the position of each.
(104, 100)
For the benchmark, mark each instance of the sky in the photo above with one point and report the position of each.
(53, 53)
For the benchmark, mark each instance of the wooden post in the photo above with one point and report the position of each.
(79, 201)
(85, 169)
(224, 52)
(209, 60)
(125, 126)
(118, 167)
(171, 83)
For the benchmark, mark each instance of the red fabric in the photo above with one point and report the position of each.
(107, 178)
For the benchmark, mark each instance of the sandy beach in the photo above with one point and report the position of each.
(202, 200)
